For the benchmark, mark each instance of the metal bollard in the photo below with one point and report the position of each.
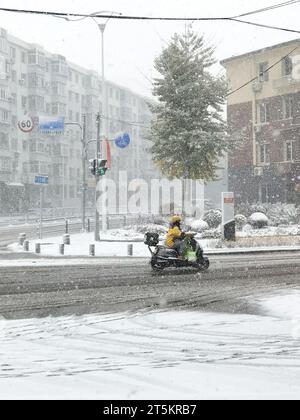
(130, 250)
(66, 239)
(26, 246)
(88, 225)
(22, 238)
(37, 248)
(61, 249)
(92, 250)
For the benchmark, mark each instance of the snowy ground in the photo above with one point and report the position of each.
(159, 355)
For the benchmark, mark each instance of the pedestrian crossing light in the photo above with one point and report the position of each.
(102, 167)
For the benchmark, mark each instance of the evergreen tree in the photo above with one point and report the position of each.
(188, 132)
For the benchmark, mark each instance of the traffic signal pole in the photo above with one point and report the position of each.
(97, 195)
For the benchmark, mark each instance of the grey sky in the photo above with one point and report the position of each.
(130, 46)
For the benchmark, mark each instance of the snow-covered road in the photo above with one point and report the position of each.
(155, 354)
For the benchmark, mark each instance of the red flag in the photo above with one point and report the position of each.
(108, 154)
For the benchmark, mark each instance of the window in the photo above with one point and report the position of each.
(14, 121)
(4, 115)
(287, 66)
(23, 57)
(34, 166)
(264, 111)
(70, 115)
(14, 76)
(58, 88)
(288, 107)
(32, 146)
(24, 101)
(12, 52)
(76, 78)
(5, 164)
(3, 94)
(264, 153)
(289, 151)
(25, 146)
(263, 73)
(58, 109)
(4, 141)
(36, 103)
(14, 143)
(77, 98)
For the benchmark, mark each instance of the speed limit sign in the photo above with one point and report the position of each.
(26, 125)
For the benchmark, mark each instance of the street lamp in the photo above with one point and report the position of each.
(101, 27)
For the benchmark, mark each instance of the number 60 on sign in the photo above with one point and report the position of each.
(26, 125)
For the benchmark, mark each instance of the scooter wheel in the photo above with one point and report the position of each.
(204, 264)
(156, 266)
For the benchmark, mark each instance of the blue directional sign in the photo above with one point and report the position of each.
(51, 125)
(122, 141)
(41, 180)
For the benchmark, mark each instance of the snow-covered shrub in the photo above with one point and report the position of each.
(213, 218)
(240, 221)
(277, 213)
(160, 220)
(212, 234)
(161, 230)
(198, 226)
(258, 220)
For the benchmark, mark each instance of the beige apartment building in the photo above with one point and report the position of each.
(264, 111)
(36, 83)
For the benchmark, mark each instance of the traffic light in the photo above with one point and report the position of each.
(93, 166)
(101, 167)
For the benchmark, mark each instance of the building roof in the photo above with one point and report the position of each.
(283, 44)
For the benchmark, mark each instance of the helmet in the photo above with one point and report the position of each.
(176, 219)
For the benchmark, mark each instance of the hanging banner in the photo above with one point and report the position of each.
(51, 125)
(108, 154)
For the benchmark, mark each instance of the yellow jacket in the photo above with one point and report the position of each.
(173, 233)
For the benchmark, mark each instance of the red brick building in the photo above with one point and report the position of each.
(266, 115)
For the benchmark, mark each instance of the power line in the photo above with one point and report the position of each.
(144, 18)
(266, 9)
(263, 72)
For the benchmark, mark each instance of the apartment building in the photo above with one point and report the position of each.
(265, 115)
(36, 83)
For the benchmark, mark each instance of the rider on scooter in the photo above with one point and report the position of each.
(175, 236)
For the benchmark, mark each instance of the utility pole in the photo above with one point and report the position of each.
(41, 213)
(97, 177)
(83, 203)
(102, 27)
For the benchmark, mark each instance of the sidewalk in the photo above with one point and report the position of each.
(115, 245)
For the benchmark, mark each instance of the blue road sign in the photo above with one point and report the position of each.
(41, 180)
(51, 125)
(122, 141)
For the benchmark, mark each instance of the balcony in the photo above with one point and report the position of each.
(285, 82)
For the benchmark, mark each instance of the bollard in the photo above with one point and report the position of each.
(38, 248)
(66, 239)
(130, 250)
(22, 238)
(61, 249)
(26, 246)
(92, 250)
(88, 225)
